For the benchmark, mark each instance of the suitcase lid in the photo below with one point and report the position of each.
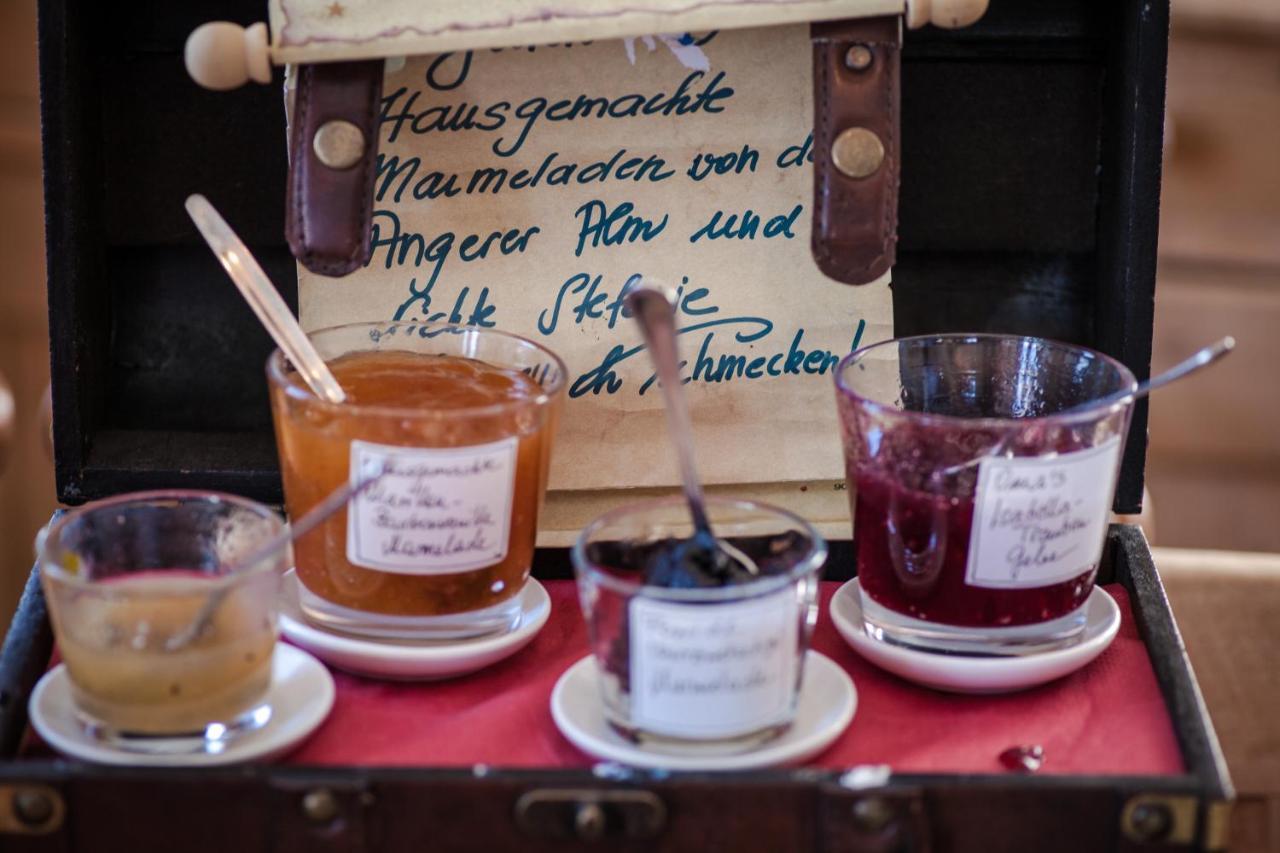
(1028, 204)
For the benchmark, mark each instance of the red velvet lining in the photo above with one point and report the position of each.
(1108, 718)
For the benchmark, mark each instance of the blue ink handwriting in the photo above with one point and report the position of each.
(605, 227)
(749, 225)
(735, 162)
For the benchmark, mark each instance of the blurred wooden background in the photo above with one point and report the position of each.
(1214, 465)
(26, 483)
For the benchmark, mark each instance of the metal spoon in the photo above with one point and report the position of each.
(654, 307)
(263, 298)
(333, 502)
(1199, 360)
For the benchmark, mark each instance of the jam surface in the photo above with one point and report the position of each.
(411, 380)
(678, 564)
(912, 488)
(315, 451)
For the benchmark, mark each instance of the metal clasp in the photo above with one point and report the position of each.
(587, 814)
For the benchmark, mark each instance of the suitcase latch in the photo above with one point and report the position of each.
(874, 819)
(586, 814)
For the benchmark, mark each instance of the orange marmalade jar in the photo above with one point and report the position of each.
(460, 420)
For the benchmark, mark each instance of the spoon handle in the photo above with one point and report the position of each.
(654, 308)
(312, 518)
(1198, 360)
(263, 298)
(335, 501)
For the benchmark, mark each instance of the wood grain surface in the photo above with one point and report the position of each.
(1213, 466)
(26, 483)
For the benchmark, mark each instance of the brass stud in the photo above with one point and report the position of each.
(320, 806)
(872, 814)
(338, 144)
(857, 152)
(32, 808)
(1150, 822)
(589, 822)
(858, 57)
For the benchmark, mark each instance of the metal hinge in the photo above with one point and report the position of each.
(1217, 824)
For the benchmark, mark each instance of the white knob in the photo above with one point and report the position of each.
(948, 14)
(222, 55)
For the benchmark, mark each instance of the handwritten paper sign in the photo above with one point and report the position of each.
(434, 511)
(1040, 520)
(713, 670)
(527, 189)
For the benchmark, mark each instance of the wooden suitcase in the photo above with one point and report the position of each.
(1068, 183)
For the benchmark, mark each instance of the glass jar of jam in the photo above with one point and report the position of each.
(690, 663)
(164, 609)
(981, 475)
(460, 423)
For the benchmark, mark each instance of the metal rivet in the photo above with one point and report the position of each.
(858, 57)
(338, 144)
(589, 821)
(872, 814)
(32, 808)
(320, 806)
(857, 152)
(1150, 821)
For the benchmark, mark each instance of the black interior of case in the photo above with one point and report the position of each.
(1030, 186)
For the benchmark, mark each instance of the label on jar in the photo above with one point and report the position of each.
(1038, 521)
(435, 511)
(713, 670)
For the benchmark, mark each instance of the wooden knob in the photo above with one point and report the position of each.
(221, 55)
(948, 14)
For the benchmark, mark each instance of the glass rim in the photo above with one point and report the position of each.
(813, 559)
(50, 566)
(1086, 411)
(298, 390)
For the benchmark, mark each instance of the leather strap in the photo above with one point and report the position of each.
(328, 214)
(855, 219)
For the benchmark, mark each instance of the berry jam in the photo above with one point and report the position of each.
(680, 564)
(913, 550)
(693, 563)
(924, 422)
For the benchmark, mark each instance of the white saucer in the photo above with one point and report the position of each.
(827, 704)
(408, 660)
(964, 674)
(301, 695)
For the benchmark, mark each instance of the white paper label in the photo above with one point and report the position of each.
(436, 511)
(1038, 521)
(713, 670)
